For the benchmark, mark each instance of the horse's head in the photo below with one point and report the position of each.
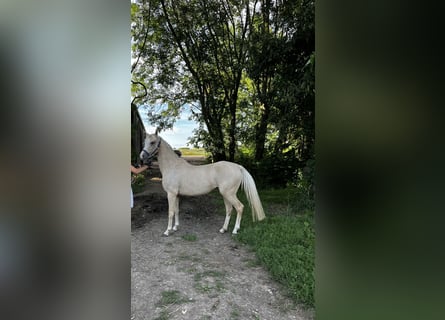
(150, 147)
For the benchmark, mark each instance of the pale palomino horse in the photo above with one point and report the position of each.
(181, 178)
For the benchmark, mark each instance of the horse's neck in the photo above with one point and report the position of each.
(166, 156)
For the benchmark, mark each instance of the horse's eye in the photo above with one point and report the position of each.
(152, 142)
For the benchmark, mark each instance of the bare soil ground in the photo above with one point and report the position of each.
(196, 272)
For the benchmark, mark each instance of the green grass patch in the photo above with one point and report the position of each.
(210, 281)
(285, 246)
(164, 315)
(284, 242)
(292, 199)
(171, 297)
(190, 237)
(234, 315)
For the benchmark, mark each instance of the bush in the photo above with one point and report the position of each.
(138, 182)
(272, 171)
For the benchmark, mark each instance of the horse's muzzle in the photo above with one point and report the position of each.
(145, 157)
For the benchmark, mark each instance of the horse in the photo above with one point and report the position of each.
(182, 178)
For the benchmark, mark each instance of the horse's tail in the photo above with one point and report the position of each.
(252, 196)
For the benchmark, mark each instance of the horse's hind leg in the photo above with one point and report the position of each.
(171, 211)
(228, 213)
(239, 213)
(233, 201)
(176, 208)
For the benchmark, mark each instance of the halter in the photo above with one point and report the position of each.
(155, 152)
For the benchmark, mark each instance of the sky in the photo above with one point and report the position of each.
(178, 136)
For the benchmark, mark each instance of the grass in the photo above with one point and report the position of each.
(234, 315)
(164, 315)
(285, 246)
(168, 298)
(209, 281)
(188, 257)
(284, 241)
(190, 237)
(171, 297)
(252, 263)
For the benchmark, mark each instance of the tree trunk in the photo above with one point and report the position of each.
(219, 152)
(260, 134)
(232, 138)
(279, 143)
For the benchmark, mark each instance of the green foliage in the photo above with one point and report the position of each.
(138, 182)
(248, 74)
(307, 180)
(273, 170)
(164, 315)
(190, 237)
(171, 297)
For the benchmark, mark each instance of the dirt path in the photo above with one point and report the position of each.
(196, 273)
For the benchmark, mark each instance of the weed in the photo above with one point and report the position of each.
(164, 315)
(209, 281)
(191, 270)
(171, 297)
(190, 237)
(234, 315)
(187, 257)
(209, 273)
(252, 263)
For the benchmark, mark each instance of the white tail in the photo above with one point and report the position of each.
(252, 196)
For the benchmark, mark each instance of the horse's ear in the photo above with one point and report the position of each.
(157, 131)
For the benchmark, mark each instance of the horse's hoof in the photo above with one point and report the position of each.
(235, 232)
(222, 230)
(165, 234)
(175, 228)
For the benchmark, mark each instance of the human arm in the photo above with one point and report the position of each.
(138, 170)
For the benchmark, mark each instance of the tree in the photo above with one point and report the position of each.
(198, 48)
(280, 63)
(241, 65)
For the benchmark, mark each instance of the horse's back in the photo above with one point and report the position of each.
(226, 165)
(214, 171)
(228, 174)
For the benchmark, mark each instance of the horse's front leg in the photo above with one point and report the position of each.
(171, 211)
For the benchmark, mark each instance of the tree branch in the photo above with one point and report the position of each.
(145, 91)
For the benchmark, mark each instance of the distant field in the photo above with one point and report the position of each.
(193, 152)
